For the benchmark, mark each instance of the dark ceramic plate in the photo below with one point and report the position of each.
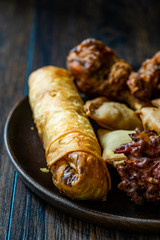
(27, 155)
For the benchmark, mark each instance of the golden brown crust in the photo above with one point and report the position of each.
(67, 136)
(145, 84)
(150, 117)
(115, 82)
(156, 102)
(97, 70)
(134, 102)
(112, 115)
(69, 175)
(110, 140)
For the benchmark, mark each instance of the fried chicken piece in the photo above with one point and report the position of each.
(140, 172)
(115, 82)
(145, 83)
(97, 70)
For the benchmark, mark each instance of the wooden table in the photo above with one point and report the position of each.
(38, 33)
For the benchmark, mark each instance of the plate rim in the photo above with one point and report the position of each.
(32, 183)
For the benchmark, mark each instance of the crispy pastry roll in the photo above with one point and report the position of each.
(150, 117)
(110, 140)
(156, 102)
(112, 115)
(73, 154)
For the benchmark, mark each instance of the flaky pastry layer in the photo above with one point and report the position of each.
(72, 151)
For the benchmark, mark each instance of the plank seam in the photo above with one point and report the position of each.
(31, 49)
(12, 206)
(29, 66)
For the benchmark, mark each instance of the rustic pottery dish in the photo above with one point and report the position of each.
(27, 155)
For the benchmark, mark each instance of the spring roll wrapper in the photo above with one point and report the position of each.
(68, 138)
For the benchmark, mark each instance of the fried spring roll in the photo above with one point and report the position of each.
(73, 154)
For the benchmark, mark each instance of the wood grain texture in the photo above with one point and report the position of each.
(13, 63)
(131, 28)
(28, 221)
